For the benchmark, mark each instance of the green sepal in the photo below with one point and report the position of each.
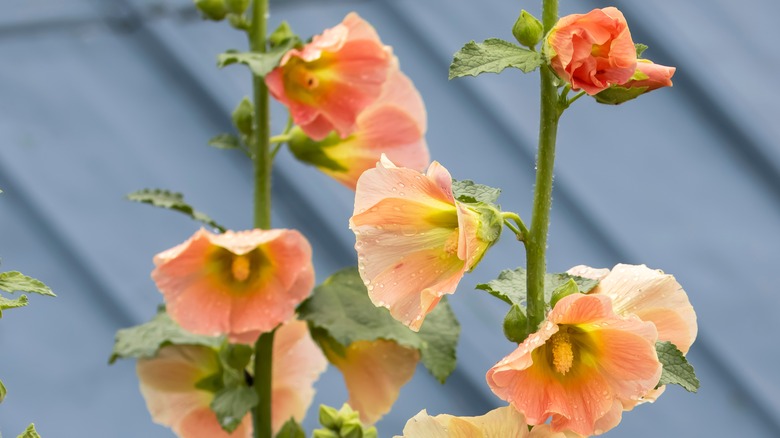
(568, 288)
(329, 417)
(469, 192)
(145, 340)
(3, 391)
(314, 152)
(640, 49)
(492, 56)
(516, 324)
(231, 404)
(341, 309)
(243, 117)
(510, 286)
(291, 429)
(224, 141)
(676, 369)
(15, 281)
(615, 95)
(325, 433)
(172, 201)
(344, 423)
(30, 432)
(215, 10)
(528, 30)
(259, 63)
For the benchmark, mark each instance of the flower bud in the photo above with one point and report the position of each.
(515, 325)
(212, 9)
(564, 290)
(237, 6)
(527, 30)
(243, 117)
(329, 417)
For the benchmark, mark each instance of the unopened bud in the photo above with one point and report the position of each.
(243, 117)
(527, 30)
(515, 325)
(237, 6)
(212, 9)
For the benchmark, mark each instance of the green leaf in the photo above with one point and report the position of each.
(440, 333)
(260, 63)
(291, 429)
(341, 307)
(640, 48)
(225, 141)
(232, 404)
(510, 286)
(16, 281)
(7, 303)
(172, 201)
(677, 370)
(143, 341)
(30, 432)
(470, 192)
(3, 391)
(492, 56)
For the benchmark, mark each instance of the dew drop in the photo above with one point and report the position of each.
(371, 287)
(401, 185)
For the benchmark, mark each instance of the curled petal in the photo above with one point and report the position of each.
(504, 422)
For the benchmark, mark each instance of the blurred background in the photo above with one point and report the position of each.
(99, 98)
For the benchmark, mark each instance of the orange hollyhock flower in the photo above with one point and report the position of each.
(592, 51)
(328, 82)
(168, 384)
(580, 366)
(414, 240)
(652, 296)
(237, 283)
(374, 372)
(394, 124)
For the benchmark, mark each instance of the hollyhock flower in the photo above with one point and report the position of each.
(169, 384)
(652, 296)
(328, 82)
(394, 124)
(414, 240)
(579, 367)
(592, 51)
(237, 283)
(374, 372)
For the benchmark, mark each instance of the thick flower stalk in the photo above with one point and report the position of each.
(239, 284)
(326, 84)
(414, 240)
(580, 367)
(592, 51)
(393, 125)
(170, 384)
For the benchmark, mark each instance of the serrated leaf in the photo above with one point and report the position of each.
(30, 432)
(510, 286)
(16, 281)
(225, 141)
(470, 192)
(172, 201)
(143, 341)
(492, 56)
(291, 429)
(640, 48)
(341, 307)
(232, 404)
(259, 63)
(7, 303)
(676, 369)
(3, 391)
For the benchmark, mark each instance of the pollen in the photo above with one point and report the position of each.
(240, 268)
(562, 352)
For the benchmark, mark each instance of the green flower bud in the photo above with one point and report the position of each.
(515, 325)
(351, 429)
(527, 30)
(564, 290)
(243, 117)
(324, 433)
(330, 418)
(237, 6)
(212, 9)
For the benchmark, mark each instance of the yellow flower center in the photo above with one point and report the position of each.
(240, 268)
(308, 82)
(562, 351)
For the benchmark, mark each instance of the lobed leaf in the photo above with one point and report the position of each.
(676, 369)
(493, 56)
(172, 201)
(510, 286)
(471, 193)
(7, 303)
(16, 281)
(259, 63)
(231, 404)
(291, 429)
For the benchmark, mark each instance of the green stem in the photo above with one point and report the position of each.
(519, 226)
(261, 414)
(536, 241)
(281, 138)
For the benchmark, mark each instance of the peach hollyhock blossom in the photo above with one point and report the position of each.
(414, 240)
(374, 372)
(504, 422)
(580, 366)
(328, 82)
(592, 51)
(652, 296)
(168, 384)
(394, 125)
(651, 75)
(238, 283)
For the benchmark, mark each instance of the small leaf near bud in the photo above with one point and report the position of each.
(515, 325)
(528, 30)
(212, 9)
